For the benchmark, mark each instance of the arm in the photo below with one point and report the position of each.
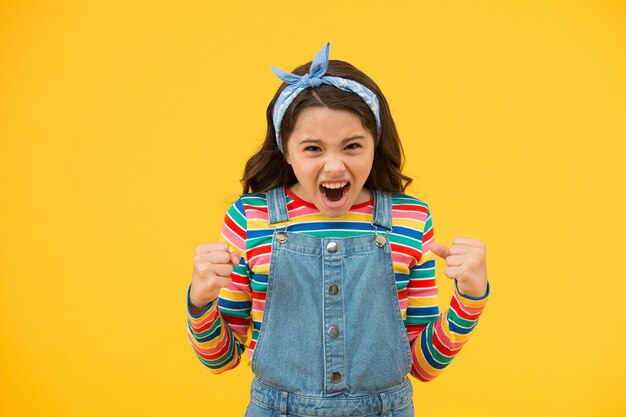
(436, 338)
(218, 331)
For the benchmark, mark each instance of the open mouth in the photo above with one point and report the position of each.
(334, 192)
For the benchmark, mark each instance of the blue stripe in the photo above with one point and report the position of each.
(426, 265)
(257, 233)
(260, 278)
(422, 311)
(328, 226)
(405, 231)
(400, 277)
(239, 206)
(431, 361)
(234, 305)
(456, 329)
(212, 335)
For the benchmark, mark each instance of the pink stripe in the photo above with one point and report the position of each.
(256, 215)
(409, 215)
(426, 244)
(422, 292)
(402, 258)
(234, 239)
(209, 318)
(258, 305)
(240, 330)
(260, 260)
(444, 339)
(303, 211)
(240, 287)
(207, 351)
(472, 311)
(418, 371)
(369, 209)
(440, 334)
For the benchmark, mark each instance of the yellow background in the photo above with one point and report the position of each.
(124, 129)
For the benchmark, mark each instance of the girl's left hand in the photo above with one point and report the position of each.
(466, 263)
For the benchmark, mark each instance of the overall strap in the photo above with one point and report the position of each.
(277, 205)
(382, 210)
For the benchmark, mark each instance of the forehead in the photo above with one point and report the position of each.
(324, 124)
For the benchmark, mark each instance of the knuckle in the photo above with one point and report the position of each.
(220, 246)
(221, 257)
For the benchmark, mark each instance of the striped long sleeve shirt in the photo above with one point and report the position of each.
(231, 324)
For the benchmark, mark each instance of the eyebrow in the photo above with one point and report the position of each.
(316, 141)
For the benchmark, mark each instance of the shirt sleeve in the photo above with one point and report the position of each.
(436, 338)
(219, 333)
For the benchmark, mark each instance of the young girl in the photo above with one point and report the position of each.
(326, 272)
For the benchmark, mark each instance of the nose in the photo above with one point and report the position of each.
(334, 165)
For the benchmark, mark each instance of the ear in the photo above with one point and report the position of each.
(287, 157)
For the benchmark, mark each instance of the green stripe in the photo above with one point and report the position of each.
(204, 334)
(237, 313)
(429, 331)
(459, 321)
(420, 319)
(403, 240)
(439, 357)
(219, 363)
(422, 273)
(254, 201)
(404, 199)
(428, 225)
(338, 233)
(237, 217)
(263, 240)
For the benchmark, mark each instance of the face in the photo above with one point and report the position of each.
(331, 154)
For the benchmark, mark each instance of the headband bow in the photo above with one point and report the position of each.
(315, 78)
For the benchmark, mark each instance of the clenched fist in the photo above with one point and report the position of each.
(466, 263)
(212, 266)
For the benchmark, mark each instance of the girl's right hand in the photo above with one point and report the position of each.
(212, 266)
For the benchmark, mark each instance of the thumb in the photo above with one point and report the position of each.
(439, 250)
(234, 258)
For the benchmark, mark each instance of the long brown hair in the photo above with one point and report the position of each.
(268, 167)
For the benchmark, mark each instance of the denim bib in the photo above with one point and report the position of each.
(332, 340)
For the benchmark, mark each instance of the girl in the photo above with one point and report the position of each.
(326, 272)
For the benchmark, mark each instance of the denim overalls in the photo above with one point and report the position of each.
(332, 342)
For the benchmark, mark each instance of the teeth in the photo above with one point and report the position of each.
(334, 185)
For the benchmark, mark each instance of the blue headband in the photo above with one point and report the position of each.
(315, 78)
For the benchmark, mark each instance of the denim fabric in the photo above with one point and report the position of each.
(267, 401)
(322, 351)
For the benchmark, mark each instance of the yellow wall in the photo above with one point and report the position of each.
(124, 128)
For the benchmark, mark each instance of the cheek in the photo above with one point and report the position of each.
(364, 167)
(306, 172)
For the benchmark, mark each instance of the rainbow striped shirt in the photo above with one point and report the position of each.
(228, 325)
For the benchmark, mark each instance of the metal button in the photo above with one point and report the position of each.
(380, 241)
(281, 237)
(333, 331)
(335, 377)
(332, 247)
(333, 289)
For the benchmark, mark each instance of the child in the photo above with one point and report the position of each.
(327, 273)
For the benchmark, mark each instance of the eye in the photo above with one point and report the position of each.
(353, 146)
(312, 148)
